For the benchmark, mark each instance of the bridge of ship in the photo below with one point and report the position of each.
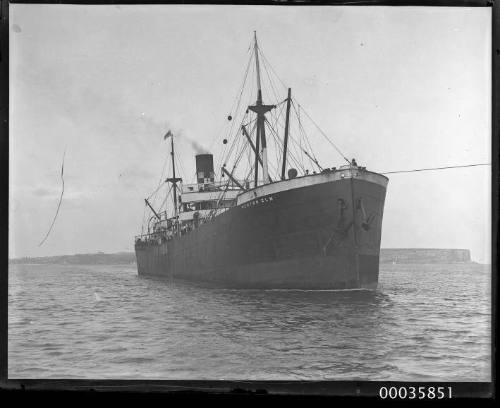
(196, 204)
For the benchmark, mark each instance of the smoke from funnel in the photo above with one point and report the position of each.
(198, 148)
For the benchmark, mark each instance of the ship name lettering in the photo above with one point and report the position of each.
(261, 200)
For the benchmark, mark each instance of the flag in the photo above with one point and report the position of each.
(169, 133)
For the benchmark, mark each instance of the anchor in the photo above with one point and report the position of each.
(366, 222)
(342, 228)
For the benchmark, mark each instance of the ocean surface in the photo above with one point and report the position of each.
(424, 323)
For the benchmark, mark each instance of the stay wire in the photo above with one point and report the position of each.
(241, 89)
(315, 124)
(437, 168)
(320, 130)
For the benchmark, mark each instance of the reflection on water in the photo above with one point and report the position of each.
(423, 323)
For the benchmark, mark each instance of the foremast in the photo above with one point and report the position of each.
(260, 109)
(174, 180)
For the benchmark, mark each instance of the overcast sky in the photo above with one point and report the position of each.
(396, 88)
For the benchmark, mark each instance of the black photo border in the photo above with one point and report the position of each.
(345, 390)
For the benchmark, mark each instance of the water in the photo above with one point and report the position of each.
(424, 323)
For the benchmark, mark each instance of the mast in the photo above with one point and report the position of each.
(262, 132)
(257, 154)
(260, 110)
(250, 142)
(285, 141)
(256, 51)
(254, 149)
(174, 180)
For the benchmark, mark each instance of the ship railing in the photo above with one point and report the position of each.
(154, 237)
(166, 234)
(212, 186)
(221, 185)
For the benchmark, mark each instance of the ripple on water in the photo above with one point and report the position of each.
(106, 322)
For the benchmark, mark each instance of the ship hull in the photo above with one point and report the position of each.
(317, 236)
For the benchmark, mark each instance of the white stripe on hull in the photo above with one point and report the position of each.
(310, 180)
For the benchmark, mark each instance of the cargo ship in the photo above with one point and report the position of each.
(292, 229)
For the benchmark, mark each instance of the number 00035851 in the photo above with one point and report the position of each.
(415, 392)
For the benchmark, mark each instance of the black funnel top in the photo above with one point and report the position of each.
(205, 168)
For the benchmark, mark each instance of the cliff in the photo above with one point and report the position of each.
(424, 255)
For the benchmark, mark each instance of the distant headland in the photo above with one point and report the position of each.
(387, 256)
(99, 258)
(424, 255)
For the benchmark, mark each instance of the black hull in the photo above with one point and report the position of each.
(320, 236)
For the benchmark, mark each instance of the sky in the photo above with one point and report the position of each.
(395, 87)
